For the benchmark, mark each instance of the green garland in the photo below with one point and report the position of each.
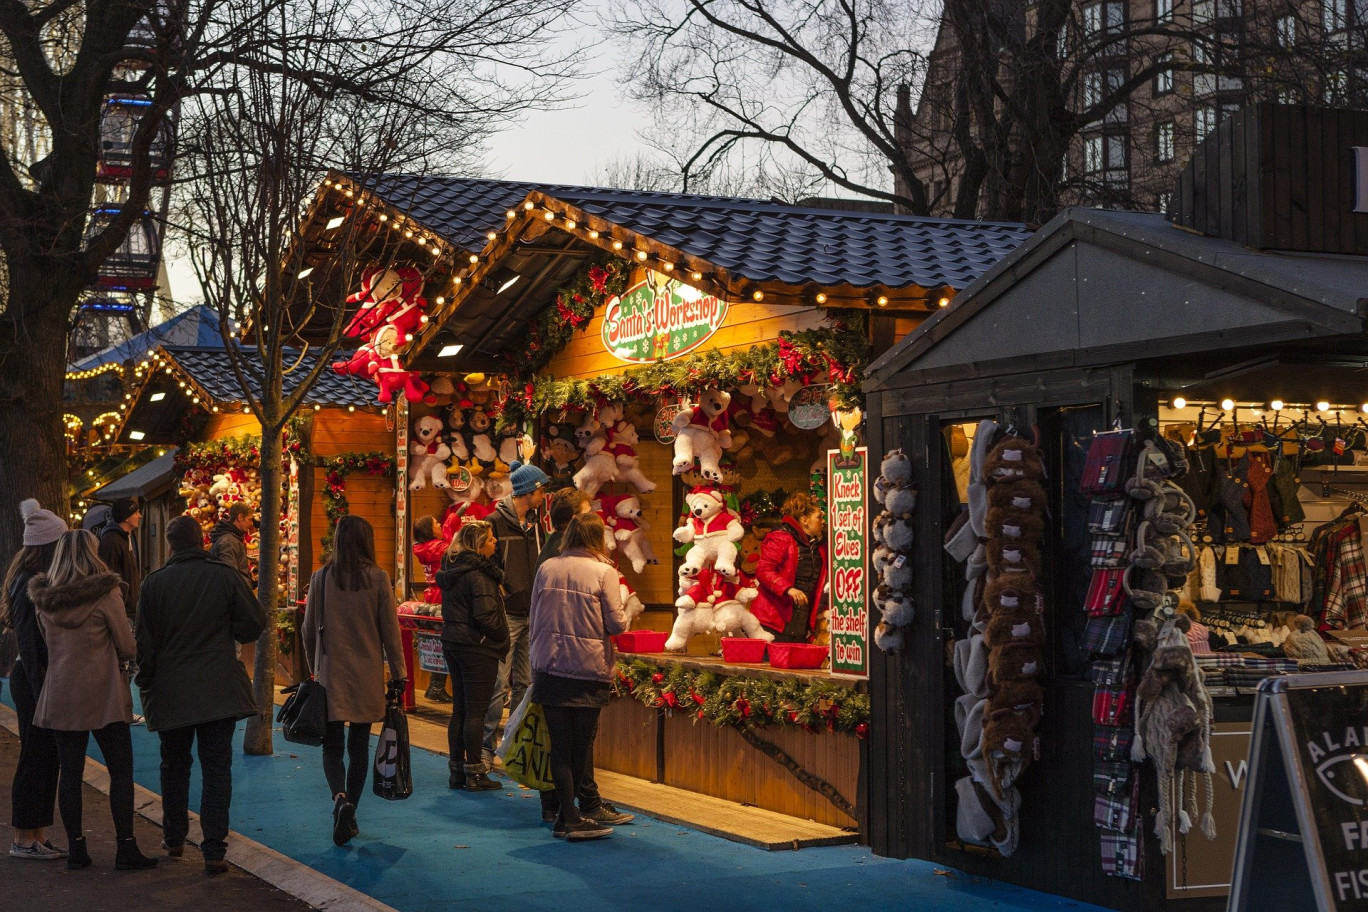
(834, 354)
(601, 278)
(215, 454)
(336, 469)
(743, 702)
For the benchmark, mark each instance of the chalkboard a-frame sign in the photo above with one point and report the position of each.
(1303, 840)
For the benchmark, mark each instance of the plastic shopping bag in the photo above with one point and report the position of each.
(526, 746)
(392, 777)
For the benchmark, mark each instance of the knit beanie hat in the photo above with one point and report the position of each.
(123, 508)
(41, 527)
(184, 533)
(526, 478)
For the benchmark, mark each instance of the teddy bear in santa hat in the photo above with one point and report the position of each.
(713, 529)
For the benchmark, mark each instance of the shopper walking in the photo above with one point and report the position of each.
(474, 639)
(576, 609)
(85, 626)
(518, 530)
(228, 539)
(350, 631)
(117, 551)
(791, 573)
(34, 789)
(194, 690)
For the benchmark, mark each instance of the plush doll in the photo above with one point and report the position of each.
(467, 504)
(378, 360)
(383, 292)
(442, 389)
(510, 448)
(895, 606)
(701, 433)
(221, 488)
(891, 571)
(748, 552)
(622, 516)
(731, 598)
(429, 454)
(631, 602)
(559, 456)
(713, 529)
(483, 456)
(895, 532)
(1014, 627)
(497, 487)
(456, 435)
(599, 467)
(889, 638)
(621, 442)
(894, 472)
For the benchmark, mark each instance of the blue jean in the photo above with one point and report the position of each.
(214, 741)
(519, 663)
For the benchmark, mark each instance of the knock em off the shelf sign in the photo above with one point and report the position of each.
(848, 561)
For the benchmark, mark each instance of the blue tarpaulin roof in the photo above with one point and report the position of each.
(197, 328)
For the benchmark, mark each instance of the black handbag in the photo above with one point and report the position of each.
(304, 716)
(392, 774)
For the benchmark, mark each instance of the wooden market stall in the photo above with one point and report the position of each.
(566, 314)
(1108, 327)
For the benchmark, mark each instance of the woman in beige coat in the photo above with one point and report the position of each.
(81, 611)
(350, 630)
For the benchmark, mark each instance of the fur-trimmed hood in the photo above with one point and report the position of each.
(69, 605)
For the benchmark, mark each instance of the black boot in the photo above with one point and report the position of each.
(436, 694)
(130, 859)
(457, 778)
(77, 856)
(477, 780)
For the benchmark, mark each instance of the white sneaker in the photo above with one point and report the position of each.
(34, 851)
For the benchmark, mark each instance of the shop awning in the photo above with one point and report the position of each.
(1097, 287)
(147, 481)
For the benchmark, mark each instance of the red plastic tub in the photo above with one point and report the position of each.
(797, 655)
(743, 650)
(641, 641)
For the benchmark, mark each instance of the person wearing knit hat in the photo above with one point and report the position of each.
(34, 790)
(518, 531)
(117, 551)
(194, 690)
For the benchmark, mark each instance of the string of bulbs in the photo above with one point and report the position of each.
(1276, 405)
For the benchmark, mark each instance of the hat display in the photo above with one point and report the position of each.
(526, 478)
(41, 527)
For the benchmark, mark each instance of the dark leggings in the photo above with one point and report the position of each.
(473, 675)
(34, 790)
(572, 730)
(116, 743)
(350, 778)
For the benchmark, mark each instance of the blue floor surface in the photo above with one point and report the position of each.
(489, 852)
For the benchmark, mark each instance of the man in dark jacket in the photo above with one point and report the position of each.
(518, 532)
(228, 539)
(191, 613)
(117, 551)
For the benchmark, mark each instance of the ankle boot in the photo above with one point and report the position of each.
(130, 859)
(457, 778)
(477, 780)
(77, 856)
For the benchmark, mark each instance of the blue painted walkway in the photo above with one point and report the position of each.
(443, 850)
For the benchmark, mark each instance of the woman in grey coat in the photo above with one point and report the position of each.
(350, 630)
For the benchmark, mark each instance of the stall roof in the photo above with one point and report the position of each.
(1097, 287)
(198, 326)
(145, 481)
(159, 406)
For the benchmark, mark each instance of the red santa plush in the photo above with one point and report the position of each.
(385, 292)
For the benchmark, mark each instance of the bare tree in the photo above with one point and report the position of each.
(662, 170)
(415, 88)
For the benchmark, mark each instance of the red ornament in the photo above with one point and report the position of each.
(792, 716)
(598, 278)
(862, 731)
(671, 700)
(657, 678)
(697, 697)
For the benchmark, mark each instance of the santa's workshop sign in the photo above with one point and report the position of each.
(848, 558)
(659, 318)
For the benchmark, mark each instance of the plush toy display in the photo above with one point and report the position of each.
(560, 454)
(467, 504)
(715, 602)
(713, 530)
(430, 454)
(483, 456)
(384, 292)
(599, 466)
(891, 560)
(631, 602)
(701, 434)
(378, 360)
(622, 515)
(621, 442)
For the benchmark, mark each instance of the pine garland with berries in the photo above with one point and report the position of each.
(336, 469)
(602, 278)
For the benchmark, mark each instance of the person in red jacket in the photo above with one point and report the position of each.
(791, 573)
(430, 543)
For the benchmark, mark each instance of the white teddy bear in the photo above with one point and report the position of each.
(701, 433)
(621, 443)
(714, 530)
(599, 466)
(631, 602)
(622, 515)
(430, 454)
(731, 613)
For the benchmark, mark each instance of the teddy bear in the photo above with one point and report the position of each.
(378, 360)
(621, 442)
(701, 433)
(631, 603)
(622, 516)
(599, 467)
(510, 448)
(383, 292)
(748, 552)
(688, 621)
(731, 610)
(429, 454)
(222, 487)
(713, 530)
(559, 456)
(483, 456)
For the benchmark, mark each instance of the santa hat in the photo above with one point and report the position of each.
(709, 491)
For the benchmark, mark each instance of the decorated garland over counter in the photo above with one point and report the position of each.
(743, 702)
(602, 278)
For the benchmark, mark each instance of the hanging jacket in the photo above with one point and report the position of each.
(472, 607)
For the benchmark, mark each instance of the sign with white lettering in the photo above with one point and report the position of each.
(658, 319)
(1306, 805)
(848, 561)
(430, 655)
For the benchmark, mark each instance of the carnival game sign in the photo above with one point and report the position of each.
(658, 319)
(848, 560)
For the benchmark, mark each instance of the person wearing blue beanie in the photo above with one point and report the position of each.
(526, 478)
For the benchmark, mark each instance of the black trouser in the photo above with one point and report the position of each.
(586, 791)
(116, 743)
(34, 791)
(572, 730)
(473, 675)
(350, 778)
(215, 742)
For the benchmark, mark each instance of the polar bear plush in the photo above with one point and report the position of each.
(430, 454)
(599, 466)
(622, 515)
(631, 602)
(731, 611)
(622, 440)
(701, 433)
(713, 529)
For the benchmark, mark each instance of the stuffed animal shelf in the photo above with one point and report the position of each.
(714, 602)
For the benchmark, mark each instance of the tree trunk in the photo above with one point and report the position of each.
(257, 739)
(33, 336)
